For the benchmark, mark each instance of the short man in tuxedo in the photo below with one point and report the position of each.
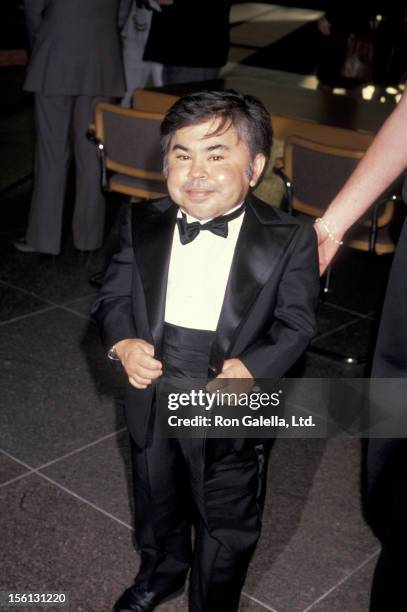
(208, 282)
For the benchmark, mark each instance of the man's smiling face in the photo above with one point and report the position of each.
(210, 174)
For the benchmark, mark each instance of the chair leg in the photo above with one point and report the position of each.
(327, 283)
(329, 354)
(341, 357)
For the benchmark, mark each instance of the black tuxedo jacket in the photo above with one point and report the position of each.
(76, 47)
(268, 312)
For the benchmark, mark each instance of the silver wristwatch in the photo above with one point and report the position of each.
(112, 354)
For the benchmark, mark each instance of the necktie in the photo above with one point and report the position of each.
(219, 226)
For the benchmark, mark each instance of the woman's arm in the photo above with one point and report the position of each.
(384, 161)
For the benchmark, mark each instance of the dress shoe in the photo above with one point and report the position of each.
(135, 599)
(21, 245)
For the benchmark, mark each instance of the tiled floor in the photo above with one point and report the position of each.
(256, 29)
(65, 490)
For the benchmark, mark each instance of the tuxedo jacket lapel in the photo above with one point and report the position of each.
(153, 232)
(257, 253)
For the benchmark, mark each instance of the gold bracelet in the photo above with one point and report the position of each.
(331, 236)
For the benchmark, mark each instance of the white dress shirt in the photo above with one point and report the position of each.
(198, 275)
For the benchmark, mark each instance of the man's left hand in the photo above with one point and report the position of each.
(234, 368)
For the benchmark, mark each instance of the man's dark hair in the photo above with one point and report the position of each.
(247, 115)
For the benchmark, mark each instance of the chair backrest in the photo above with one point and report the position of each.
(153, 101)
(284, 126)
(318, 171)
(131, 140)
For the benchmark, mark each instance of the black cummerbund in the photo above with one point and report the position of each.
(186, 351)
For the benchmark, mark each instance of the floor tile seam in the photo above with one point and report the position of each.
(35, 471)
(84, 297)
(27, 316)
(80, 449)
(20, 461)
(29, 472)
(78, 314)
(258, 601)
(32, 470)
(270, 9)
(84, 500)
(52, 306)
(343, 580)
(328, 421)
(46, 300)
(31, 293)
(6, 191)
(340, 327)
(356, 313)
(340, 364)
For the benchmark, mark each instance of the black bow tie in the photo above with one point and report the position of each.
(219, 226)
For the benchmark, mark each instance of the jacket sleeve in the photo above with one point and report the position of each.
(33, 17)
(294, 321)
(112, 309)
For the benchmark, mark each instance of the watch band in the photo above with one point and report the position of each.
(112, 354)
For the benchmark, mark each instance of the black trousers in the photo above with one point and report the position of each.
(387, 457)
(176, 488)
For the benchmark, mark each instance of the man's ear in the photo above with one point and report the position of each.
(257, 167)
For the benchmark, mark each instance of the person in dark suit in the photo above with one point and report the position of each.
(193, 53)
(75, 63)
(347, 48)
(386, 465)
(208, 282)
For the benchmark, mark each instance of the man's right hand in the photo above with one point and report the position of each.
(137, 358)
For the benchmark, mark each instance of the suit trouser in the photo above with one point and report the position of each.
(387, 513)
(55, 117)
(224, 500)
(387, 457)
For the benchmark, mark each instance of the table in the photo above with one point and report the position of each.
(306, 111)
